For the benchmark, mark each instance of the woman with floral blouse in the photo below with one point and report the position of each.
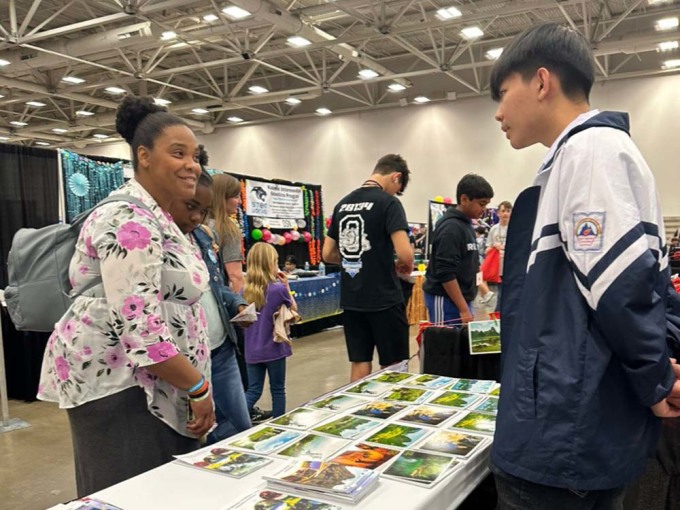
(129, 360)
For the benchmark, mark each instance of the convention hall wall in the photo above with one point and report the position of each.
(441, 142)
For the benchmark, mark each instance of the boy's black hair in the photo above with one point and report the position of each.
(394, 163)
(474, 187)
(559, 49)
(291, 259)
(205, 179)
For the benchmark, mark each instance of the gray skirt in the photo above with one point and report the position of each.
(116, 438)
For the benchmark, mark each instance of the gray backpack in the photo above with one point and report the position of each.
(39, 291)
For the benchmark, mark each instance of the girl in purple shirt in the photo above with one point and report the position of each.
(268, 288)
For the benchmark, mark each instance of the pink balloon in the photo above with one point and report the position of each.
(266, 235)
(307, 236)
(288, 238)
(448, 200)
(273, 238)
(295, 235)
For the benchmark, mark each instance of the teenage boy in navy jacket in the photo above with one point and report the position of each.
(586, 371)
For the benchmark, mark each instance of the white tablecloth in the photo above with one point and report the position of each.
(180, 487)
(177, 487)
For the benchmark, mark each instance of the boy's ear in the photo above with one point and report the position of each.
(543, 80)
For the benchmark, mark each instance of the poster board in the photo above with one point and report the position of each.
(435, 211)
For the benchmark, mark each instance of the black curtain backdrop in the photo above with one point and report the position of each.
(29, 194)
(29, 197)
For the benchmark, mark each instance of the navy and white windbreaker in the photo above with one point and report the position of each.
(583, 314)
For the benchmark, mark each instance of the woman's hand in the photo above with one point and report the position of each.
(203, 416)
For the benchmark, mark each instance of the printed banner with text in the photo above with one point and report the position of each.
(271, 200)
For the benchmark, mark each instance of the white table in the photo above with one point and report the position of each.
(176, 487)
(180, 487)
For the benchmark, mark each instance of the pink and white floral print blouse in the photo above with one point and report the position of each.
(145, 311)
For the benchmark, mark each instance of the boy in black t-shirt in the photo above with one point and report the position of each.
(451, 279)
(368, 227)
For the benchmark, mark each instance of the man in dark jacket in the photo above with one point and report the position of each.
(585, 366)
(451, 279)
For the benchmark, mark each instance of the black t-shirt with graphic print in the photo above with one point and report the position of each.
(362, 225)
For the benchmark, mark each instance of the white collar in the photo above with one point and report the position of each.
(576, 122)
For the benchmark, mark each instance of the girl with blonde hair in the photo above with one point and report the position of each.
(268, 288)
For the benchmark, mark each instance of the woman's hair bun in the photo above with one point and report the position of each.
(131, 111)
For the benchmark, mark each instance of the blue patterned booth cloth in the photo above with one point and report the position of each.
(317, 297)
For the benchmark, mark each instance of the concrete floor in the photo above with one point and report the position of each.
(36, 463)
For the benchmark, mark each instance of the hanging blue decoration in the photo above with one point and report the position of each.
(86, 181)
(79, 185)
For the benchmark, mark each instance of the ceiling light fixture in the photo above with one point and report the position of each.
(494, 53)
(448, 13)
(671, 64)
(60, 131)
(293, 101)
(298, 41)
(368, 74)
(199, 111)
(18, 123)
(84, 113)
(37, 104)
(101, 136)
(235, 13)
(323, 111)
(168, 35)
(257, 89)
(4, 138)
(4, 62)
(209, 18)
(667, 23)
(396, 87)
(161, 101)
(115, 90)
(421, 99)
(73, 79)
(235, 119)
(471, 33)
(667, 45)
(44, 144)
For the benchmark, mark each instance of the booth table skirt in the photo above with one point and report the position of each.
(416, 311)
(317, 297)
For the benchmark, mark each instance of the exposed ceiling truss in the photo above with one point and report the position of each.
(205, 62)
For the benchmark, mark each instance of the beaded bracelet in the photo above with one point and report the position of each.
(197, 386)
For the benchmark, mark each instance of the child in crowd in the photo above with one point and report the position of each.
(268, 288)
(485, 294)
(219, 305)
(290, 265)
(451, 279)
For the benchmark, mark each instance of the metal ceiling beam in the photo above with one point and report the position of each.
(102, 20)
(291, 24)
